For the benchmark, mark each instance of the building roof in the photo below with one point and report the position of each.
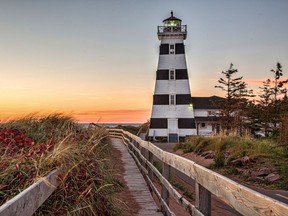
(205, 102)
(172, 18)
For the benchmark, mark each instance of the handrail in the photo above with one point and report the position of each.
(244, 200)
(29, 200)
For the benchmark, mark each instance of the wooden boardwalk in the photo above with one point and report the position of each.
(136, 183)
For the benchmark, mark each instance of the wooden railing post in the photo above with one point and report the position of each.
(151, 160)
(203, 199)
(164, 192)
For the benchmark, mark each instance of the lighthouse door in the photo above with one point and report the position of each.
(172, 130)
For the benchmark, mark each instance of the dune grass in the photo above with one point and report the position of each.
(32, 147)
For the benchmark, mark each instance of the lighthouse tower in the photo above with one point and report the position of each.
(172, 112)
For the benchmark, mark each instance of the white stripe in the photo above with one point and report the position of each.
(172, 111)
(176, 61)
(172, 87)
(282, 196)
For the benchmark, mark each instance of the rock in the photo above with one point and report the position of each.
(272, 177)
(237, 162)
(245, 159)
(226, 154)
(242, 161)
(208, 155)
(254, 174)
(264, 171)
(261, 179)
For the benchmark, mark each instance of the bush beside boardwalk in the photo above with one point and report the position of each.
(32, 147)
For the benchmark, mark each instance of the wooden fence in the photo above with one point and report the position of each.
(29, 200)
(207, 182)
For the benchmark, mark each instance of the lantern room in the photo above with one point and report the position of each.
(172, 21)
(172, 27)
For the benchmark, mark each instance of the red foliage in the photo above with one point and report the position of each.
(14, 141)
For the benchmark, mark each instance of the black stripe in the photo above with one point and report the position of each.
(181, 74)
(162, 75)
(161, 99)
(164, 49)
(179, 48)
(183, 99)
(186, 123)
(158, 123)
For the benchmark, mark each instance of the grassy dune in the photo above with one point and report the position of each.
(262, 152)
(32, 147)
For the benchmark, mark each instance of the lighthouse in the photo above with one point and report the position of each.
(172, 111)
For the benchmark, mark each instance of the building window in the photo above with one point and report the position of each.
(172, 99)
(172, 74)
(203, 125)
(172, 48)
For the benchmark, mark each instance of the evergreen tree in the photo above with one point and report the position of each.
(233, 108)
(264, 107)
(271, 105)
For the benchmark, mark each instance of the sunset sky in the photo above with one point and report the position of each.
(96, 59)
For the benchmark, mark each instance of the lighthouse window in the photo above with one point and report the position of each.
(172, 49)
(172, 74)
(172, 99)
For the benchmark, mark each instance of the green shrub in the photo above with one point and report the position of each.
(219, 161)
(231, 171)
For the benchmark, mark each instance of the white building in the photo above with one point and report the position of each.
(174, 113)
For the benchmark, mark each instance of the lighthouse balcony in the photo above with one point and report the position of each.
(172, 30)
(177, 28)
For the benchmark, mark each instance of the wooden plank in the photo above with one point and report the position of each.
(203, 199)
(136, 183)
(29, 200)
(174, 193)
(151, 161)
(162, 202)
(166, 174)
(241, 198)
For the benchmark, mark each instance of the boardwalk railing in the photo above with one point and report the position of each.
(29, 200)
(207, 182)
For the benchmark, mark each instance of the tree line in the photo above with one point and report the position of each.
(242, 112)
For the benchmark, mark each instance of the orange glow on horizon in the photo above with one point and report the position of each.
(101, 116)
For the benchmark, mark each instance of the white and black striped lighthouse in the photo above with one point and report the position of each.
(172, 112)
